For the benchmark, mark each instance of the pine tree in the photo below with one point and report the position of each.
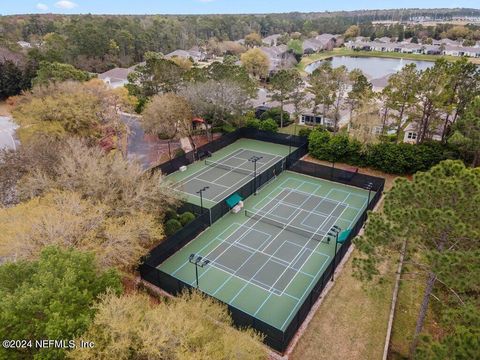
(434, 217)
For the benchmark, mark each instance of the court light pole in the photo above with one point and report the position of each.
(201, 196)
(334, 231)
(369, 186)
(254, 159)
(197, 260)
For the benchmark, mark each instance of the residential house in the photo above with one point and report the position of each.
(472, 51)
(116, 77)
(194, 54)
(411, 133)
(280, 57)
(307, 115)
(324, 42)
(271, 40)
(431, 50)
(469, 51)
(452, 50)
(447, 42)
(411, 48)
(384, 39)
(327, 40)
(361, 39)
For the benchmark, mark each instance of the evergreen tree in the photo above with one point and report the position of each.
(51, 298)
(434, 218)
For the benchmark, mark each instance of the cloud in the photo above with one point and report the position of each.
(42, 7)
(66, 4)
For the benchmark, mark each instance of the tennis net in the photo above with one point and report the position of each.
(228, 167)
(279, 224)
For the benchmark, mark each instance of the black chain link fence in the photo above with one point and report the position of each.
(275, 338)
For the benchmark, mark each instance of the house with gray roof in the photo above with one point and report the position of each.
(279, 56)
(324, 42)
(271, 40)
(116, 77)
(194, 54)
(384, 39)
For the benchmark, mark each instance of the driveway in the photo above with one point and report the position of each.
(147, 149)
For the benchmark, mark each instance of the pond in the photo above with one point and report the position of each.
(374, 68)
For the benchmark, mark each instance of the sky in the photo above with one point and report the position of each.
(9, 7)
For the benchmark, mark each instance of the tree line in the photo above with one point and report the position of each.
(97, 43)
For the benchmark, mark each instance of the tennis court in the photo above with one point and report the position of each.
(226, 171)
(266, 260)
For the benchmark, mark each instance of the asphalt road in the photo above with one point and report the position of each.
(144, 148)
(7, 133)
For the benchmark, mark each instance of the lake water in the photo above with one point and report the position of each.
(374, 68)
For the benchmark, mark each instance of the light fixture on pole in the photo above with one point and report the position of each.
(254, 159)
(201, 196)
(334, 232)
(198, 261)
(369, 187)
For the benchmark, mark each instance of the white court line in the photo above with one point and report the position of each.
(241, 237)
(260, 170)
(230, 271)
(330, 181)
(195, 176)
(248, 283)
(293, 261)
(231, 171)
(223, 232)
(204, 169)
(279, 260)
(253, 276)
(307, 288)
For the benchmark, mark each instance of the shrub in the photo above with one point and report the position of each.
(253, 123)
(274, 113)
(179, 152)
(385, 156)
(171, 214)
(186, 217)
(268, 125)
(172, 226)
(317, 143)
(227, 128)
(305, 131)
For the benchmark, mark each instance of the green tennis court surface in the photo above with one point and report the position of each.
(265, 261)
(226, 171)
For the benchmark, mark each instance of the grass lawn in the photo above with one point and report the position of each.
(352, 321)
(292, 129)
(350, 312)
(347, 52)
(410, 296)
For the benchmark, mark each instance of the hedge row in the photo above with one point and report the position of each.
(388, 157)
